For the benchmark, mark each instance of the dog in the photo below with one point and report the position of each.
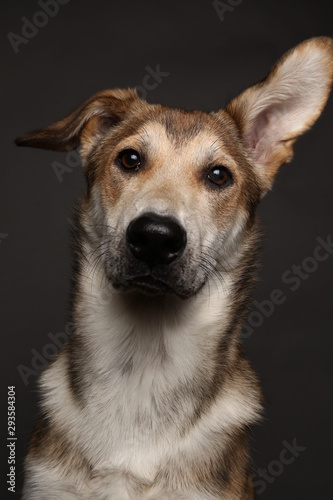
(151, 398)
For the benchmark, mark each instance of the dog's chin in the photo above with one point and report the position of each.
(150, 286)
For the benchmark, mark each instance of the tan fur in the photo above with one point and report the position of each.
(151, 399)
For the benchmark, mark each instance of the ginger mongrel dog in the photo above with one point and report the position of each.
(151, 398)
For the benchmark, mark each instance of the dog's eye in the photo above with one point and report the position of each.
(220, 176)
(129, 159)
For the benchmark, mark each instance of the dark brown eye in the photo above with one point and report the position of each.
(220, 176)
(129, 159)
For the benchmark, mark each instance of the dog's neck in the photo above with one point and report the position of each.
(136, 330)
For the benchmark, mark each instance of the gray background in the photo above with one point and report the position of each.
(89, 46)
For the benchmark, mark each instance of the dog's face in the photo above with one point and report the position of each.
(172, 194)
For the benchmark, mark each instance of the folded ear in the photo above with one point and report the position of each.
(272, 114)
(103, 110)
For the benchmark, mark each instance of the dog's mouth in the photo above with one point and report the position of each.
(180, 278)
(146, 284)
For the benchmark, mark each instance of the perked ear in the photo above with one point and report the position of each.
(104, 109)
(272, 114)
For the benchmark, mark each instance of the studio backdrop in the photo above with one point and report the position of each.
(194, 54)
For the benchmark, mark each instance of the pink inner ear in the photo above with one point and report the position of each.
(265, 131)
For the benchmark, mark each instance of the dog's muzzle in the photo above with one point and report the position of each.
(152, 262)
(154, 256)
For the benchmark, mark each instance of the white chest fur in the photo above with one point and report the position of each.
(139, 375)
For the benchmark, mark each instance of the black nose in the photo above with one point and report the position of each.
(156, 239)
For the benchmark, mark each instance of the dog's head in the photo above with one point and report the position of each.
(171, 193)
